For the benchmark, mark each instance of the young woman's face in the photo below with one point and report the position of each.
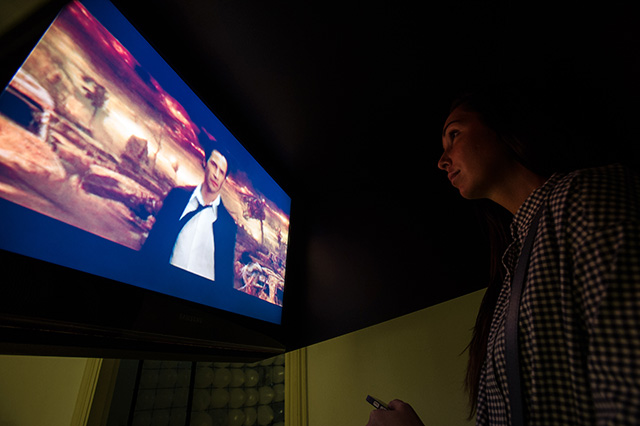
(474, 159)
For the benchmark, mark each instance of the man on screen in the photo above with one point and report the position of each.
(193, 230)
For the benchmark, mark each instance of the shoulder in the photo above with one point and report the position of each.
(597, 197)
(179, 195)
(604, 178)
(162, 235)
(173, 204)
(225, 216)
(180, 192)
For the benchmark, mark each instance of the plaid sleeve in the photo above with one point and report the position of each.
(607, 279)
(607, 285)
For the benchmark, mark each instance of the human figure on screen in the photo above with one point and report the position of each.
(193, 230)
(253, 275)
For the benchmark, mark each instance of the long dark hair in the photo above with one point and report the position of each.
(497, 221)
(501, 116)
(527, 124)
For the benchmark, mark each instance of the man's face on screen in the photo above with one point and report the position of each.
(215, 173)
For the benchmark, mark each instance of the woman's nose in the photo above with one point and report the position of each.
(444, 162)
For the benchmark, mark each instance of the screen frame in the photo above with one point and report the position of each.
(88, 315)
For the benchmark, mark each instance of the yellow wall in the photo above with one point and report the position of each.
(13, 12)
(416, 358)
(38, 391)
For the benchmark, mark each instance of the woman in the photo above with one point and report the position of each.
(579, 323)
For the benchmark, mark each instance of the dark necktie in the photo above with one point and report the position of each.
(187, 217)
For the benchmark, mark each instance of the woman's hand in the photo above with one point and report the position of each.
(398, 414)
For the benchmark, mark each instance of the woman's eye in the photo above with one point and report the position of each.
(453, 134)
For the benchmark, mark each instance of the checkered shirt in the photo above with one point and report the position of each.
(579, 324)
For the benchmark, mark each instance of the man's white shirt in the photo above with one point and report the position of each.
(194, 249)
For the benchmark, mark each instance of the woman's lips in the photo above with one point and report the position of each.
(452, 175)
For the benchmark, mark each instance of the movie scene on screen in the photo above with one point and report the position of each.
(90, 137)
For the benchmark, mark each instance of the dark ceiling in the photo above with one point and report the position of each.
(343, 103)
